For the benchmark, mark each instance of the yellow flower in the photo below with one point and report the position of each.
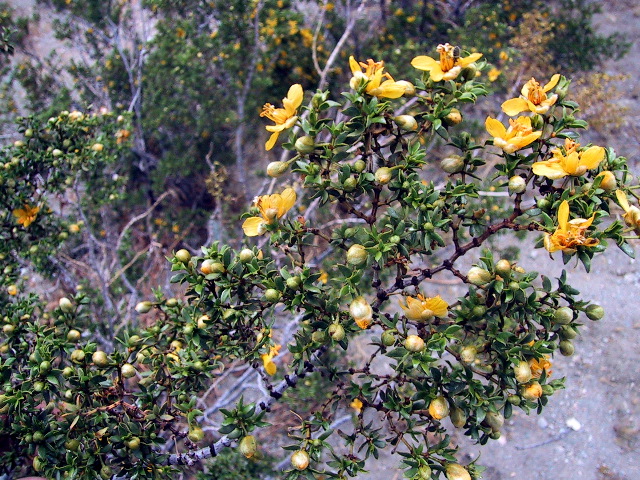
(571, 162)
(449, 66)
(267, 359)
(493, 74)
(372, 79)
(538, 365)
(284, 118)
(569, 234)
(517, 136)
(504, 56)
(532, 98)
(324, 277)
(421, 309)
(632, 213)
(356, 405)
(27, 215)
(271, 208)
(12, 290)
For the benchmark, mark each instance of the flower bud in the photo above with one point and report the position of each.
(277, 169)
(454, 117)
(531, 391)
(424, 473)
(479, 276)
(317, 99)
(128, 370)
(196, 434)
(73, 335)
(272, 295)
(522, 372)
(361, 312)
(414, 343)
(517, 184)
(409, 89)
(248, 446)
(300, 460)
(468, 354)
(336, 332)
(537, 122)
(568, 333)
(305, 144)
(246, 255)
(100, 359)
(356, 255)
(608, 182)
(65, 305)
(452, 164)
(77, 356)
(350, 184)
(594, 312)
(97, 147)
(383, 175)
(406, 122)
(205, 268)
(294, 282)
(144, 307)
(183, 255)
(457, 416)
(455, 471)
(563, 316)
(359, 166)
(469, 72)
(503, 267)
(494, 420)
(388, 338)
(439, 408)
(566, 348)
(514, 400)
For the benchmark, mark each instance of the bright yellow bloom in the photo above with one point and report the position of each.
(517, 136)
(571, 162)
(493, 74)
(27, 215)
(632, 213)
(448, 67)
(422, 309)
(12, 290)
(537, 366)
(569, 234)
(271, 208)
(324, 277)
(356, 405)
(267, 359)
(532, 98)
(284, 118)
(372, 78)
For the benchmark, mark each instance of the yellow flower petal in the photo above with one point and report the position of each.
(552, 83)
(622, 200)
(550, 170)
(272, 141)
(294, 99)
(495, 127)
(515, 106)
(463, 62)
(423, 62)
(563, 215)
(252, 226)
(592, 157)
(287, 199)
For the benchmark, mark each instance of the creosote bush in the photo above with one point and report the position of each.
(346, 247)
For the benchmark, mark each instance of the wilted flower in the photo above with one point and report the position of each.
(538, 365)
(284, 118)
(569, 234)
(361, 312)
(271, 208)
(632, 213)
(448, 67)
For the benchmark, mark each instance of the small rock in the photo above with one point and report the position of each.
(542, 423)
(573, 424)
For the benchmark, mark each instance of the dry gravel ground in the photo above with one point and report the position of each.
(591, 430)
